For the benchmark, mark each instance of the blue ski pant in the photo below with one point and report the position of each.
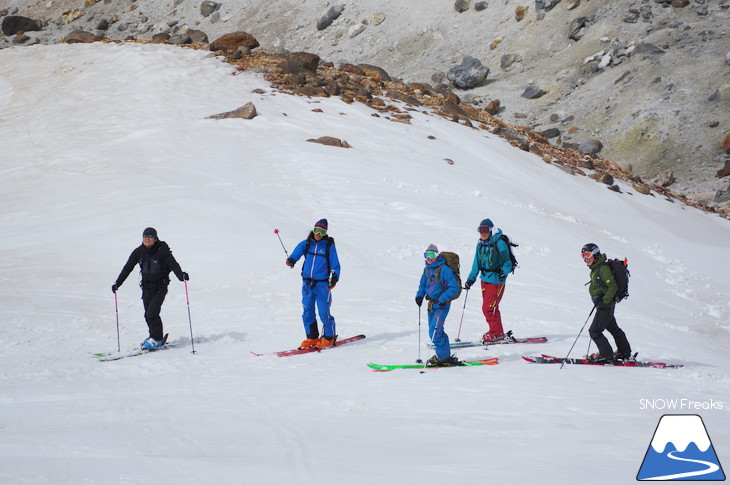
(436, 320)
(317, 293)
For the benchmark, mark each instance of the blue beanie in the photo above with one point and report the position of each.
(486, 222)
(321, 223)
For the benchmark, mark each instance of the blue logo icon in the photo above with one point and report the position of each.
(681, 450)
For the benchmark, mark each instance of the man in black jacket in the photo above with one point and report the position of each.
(155, 261)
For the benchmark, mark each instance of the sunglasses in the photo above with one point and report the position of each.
(430, 255)
(484, 229)
(319, 231)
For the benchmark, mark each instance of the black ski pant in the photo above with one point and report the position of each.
(152, 298)
(604, 320)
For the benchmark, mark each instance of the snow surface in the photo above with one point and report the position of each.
(100, 141)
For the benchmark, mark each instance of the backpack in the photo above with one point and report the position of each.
(510, 245)
(621, 274)
(452, 261)
(330, 242)
(512, 258)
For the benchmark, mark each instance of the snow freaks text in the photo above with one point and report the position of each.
(680, 405)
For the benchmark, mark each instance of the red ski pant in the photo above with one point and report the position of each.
(491, 296)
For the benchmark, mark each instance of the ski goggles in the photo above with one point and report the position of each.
(320, 231)
(430, 255)
(586, 255)
(484, 229)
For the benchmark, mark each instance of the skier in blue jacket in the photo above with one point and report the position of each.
(438, 285)
(320, 273)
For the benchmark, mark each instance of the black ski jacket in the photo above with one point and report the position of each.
(155, 264)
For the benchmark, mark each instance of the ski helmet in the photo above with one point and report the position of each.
(590, 248)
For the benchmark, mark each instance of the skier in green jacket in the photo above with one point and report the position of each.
(603, 289)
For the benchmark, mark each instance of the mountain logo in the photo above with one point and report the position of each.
(681, 450)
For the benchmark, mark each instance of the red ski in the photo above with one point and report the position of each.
(549, 359)
(285, 353)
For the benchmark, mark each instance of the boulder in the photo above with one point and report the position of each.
(462, 5)
(330, 17)
(330, 141)
(246, 112)
(590, 147)
(375, 72)
(207, 8)
(229, 43)
(533, 92)
(79, 36)
(16, 24)
(469, 74)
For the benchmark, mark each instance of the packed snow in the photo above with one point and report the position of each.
(99, 141)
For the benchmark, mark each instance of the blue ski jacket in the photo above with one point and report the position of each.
(438, 291)
(491, 260)
(321, 258)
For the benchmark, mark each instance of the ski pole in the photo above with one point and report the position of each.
(576, 338)
(425, 365)
(462, 317)
(419, 361)
(190, 320)
(276, 231)
(116, 308)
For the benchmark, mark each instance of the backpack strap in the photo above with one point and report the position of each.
(485, 247)
(330, 242)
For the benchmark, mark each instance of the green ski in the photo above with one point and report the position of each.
(467, 363)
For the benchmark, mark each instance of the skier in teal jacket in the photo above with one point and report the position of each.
(492, 262)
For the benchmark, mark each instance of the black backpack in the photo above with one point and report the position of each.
(620, 270)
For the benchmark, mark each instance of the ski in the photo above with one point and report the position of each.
(511, 340)
(109, 356)
(285, 353)
(549, 359)
(468, 363)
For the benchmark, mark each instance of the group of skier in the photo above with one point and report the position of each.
(439, 285)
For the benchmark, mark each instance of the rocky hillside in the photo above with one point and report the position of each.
(644, 83)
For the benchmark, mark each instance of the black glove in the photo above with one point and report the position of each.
(419, 300)
(114, 288)
(290, 262)
(333, 281)
(185, 276)
(468, 284)
(502, 277)
(597, 300)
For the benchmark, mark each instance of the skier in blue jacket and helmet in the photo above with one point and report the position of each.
(438, 285)
(320, 273)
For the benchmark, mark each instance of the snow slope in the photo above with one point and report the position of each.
(100, 141)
